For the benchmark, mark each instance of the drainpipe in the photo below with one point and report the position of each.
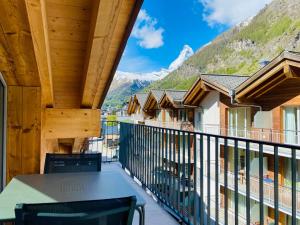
(233, 102)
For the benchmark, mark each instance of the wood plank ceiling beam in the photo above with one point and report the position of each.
(17, 59)
(104, 19)
(103, 22)
(110, 68)
(36, 10)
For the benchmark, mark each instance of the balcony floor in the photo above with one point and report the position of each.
(155, 214)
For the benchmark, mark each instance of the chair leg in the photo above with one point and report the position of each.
(141, 211)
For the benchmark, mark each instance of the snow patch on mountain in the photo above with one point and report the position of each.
(245, 22)
(185, 53)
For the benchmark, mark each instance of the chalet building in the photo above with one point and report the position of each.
(152, 107)
(272, 95)
(135, 107)
(210, 95)
(172, 113)
(265, 107)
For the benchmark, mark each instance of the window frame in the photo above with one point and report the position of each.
(4, 120)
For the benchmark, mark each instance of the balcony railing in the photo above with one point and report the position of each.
(170, 163)
(179, 125)
(263, 134)
(107, 143)
(137, 118)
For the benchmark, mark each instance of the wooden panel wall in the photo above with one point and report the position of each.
(23, 130)
(224, 105)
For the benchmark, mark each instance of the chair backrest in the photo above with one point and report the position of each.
(68, 163)
(98, 212)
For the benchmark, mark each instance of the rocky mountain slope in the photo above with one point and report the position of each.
(241, 49)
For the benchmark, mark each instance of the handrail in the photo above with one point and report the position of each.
(182, 168)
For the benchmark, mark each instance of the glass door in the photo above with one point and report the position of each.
(2, 132)
(198, 120)
(291, 124)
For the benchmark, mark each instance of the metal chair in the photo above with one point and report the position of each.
(97, 212)
(68, 163)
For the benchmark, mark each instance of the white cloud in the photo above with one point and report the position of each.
(146, 31)
(230, 12)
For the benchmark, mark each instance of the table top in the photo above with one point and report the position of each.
(64, 187)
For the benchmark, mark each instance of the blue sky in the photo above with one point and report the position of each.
(163, 27)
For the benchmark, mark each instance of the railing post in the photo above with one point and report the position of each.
(217, 180)
(208, 178)
(261, 183)
(226, 180)
(248, 215)
(236, 185)
(276, 169)
(294, 184)
(195, 180)
(201, 182)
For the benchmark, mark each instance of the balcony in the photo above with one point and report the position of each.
(261, 134)
(284, 192)
(137, 118)
(183, 171)
(155, 214)
(177, 125)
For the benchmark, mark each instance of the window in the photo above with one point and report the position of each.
(291, 124)
(158, 115)
(2, 132)
(198, 120)
(239, 121)
(183, 116)
(168, 114)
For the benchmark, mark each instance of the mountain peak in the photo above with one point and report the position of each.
(185, 53)
(240, 49)
(127, 83)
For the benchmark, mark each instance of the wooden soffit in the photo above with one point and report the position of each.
(151, 103)
(196, 93)
(283, 77)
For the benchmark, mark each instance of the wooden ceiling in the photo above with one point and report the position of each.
(133, 105)
(166, 102)
(151, 103)
(196, 93)
(69, 48)
(17, 59)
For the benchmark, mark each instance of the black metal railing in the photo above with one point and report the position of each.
(211, 179)
(107, 143)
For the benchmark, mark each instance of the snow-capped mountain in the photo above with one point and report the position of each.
(184, 54)
(127, 83)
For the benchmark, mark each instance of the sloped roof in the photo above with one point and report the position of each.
(285, 55)
(224, 81)
(176, 95)
(142, 97)
(157, 94)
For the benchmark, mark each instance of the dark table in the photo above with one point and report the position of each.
(66, 187)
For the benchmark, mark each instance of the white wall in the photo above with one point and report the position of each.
(211, 109)
(211, 123)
